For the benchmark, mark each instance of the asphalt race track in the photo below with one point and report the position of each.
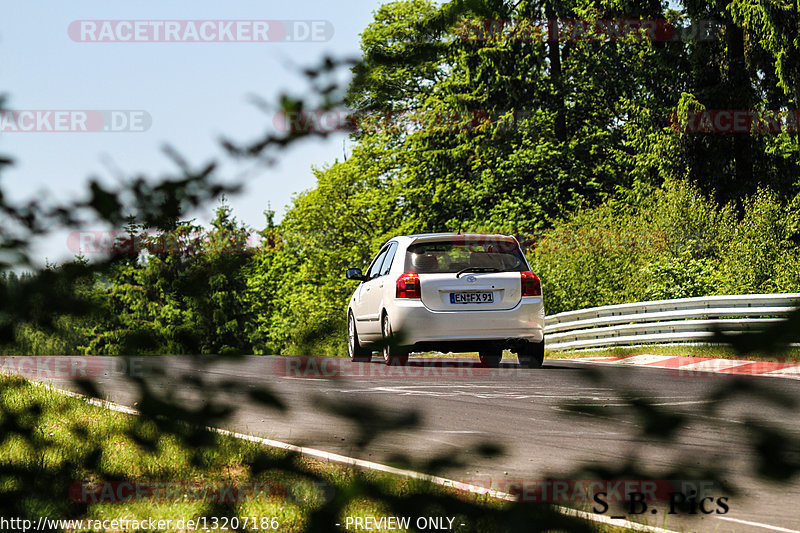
(528, 412)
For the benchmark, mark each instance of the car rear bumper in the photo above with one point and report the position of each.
(415, 323)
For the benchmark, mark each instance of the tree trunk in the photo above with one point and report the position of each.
(740, 97)
(554, 56)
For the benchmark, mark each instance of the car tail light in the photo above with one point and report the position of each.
(408, 286)
(531, 286)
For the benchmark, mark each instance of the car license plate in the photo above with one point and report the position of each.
(471, 297)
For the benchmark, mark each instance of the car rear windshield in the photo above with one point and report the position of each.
(452, 256)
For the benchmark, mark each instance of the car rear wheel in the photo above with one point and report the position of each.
(358, 354)
(531, 355)
(392, 354)
(490, 358)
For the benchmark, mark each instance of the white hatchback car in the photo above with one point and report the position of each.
(447, 292)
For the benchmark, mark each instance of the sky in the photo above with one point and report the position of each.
(190, 94)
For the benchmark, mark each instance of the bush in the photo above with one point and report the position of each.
(675, 243)
(668, 278)
(762, 252)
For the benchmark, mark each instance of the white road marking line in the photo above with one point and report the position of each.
(758, 524)
(616, 522)
(451, 391)
(452, 431)
(644, 359)
(444, 442)
(361, 463)
(687, 402)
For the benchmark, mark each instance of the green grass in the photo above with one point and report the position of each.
(49, 441)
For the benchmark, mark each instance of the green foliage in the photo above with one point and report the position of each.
(762, 252)
(296, 288)
(184, 297)
(677, 243)
(51, 328)
(583, 261)
(666, 279)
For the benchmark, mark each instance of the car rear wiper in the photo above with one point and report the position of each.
(477, 269)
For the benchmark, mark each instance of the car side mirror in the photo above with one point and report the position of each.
(354, 273)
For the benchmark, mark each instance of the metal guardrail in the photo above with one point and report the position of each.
(674, 321)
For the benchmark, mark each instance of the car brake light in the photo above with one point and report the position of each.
(531, 286)
(408, 286)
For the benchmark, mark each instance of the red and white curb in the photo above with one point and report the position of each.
(699, 365)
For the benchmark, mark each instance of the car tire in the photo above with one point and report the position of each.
(392, 354)
(358, 353)
(531, 355)
(490, 358)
